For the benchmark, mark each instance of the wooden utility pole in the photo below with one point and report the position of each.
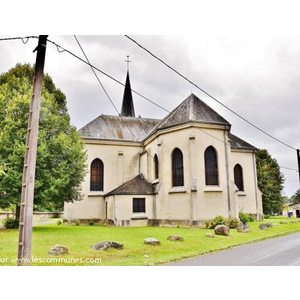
(298, 158)
(26, 212)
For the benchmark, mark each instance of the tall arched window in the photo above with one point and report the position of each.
(97, 175)
(156, 166)
(211, 166)
(177, 168)
(238, 177)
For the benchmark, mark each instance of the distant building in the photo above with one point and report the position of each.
(292, 210)
(183, 169)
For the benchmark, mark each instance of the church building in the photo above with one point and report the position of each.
(181, 170)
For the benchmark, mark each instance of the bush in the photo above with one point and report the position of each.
(266, 216)
(245, 218)
(232, 223)
(59, 222)
(11, 223)
(91, 222)
(218, 220)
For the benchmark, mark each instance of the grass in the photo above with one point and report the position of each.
(79, 240)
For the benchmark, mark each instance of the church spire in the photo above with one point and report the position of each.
(127, 105)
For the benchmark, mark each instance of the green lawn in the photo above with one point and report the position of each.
(79, 240)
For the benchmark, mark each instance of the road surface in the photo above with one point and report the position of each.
(281, 251)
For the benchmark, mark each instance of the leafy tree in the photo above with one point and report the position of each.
(60, 167)
(270, 182)
(296, 197)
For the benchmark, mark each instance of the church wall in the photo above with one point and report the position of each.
(249, 200)
(89, 208)
(121, 163)
(120, 210)
(213, 200)
(194, 201)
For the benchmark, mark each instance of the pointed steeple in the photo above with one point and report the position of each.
(127, 105)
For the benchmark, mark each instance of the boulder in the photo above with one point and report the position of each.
(210, 235)
(107, 245)
(222, 230)
(151, 241)
(175, 238)
(270, 225)
(243, 227)
(263, 226)
(282, 222)
(58, 250)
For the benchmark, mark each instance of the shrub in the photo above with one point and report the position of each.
(10, 223)
(91, 222)
(58, 222)
(218, 220)
(245, 218)
(266, 216)
(232, 223)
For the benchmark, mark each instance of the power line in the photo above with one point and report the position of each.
(24, 38)
(209, 95)
(60, 49)
(104, 88)
(96, 75)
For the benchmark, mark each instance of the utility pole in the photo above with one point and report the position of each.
(25, 227)
(298, 157)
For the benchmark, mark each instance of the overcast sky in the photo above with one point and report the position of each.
(256, 76)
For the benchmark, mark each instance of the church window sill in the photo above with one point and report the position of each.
(241, 193)
(95, 194)
(139, 216)
(177, 189)
(213, 189)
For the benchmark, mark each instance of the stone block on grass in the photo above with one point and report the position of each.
(152, 241)
(107, 245)
(222, 230)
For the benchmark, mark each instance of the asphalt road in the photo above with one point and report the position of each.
(281, 251)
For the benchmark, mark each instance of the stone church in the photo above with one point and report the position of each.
(181, 170)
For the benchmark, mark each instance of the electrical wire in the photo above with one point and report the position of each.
(26, 38)
(104, 88)
(109, 96)
(96, 75)
(209, 95)
(61, 49)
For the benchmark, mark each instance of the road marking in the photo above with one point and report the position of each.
(270, 254)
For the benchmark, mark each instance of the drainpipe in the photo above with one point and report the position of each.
(255, 184)
(227, 173)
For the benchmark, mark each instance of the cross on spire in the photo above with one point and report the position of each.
(128, 61)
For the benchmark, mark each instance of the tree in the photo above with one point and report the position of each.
(61, 157)
(296, 197)
(270, 182)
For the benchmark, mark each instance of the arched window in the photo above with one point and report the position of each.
(177, 168)
(238, 177)
(156, 166)
(211, 166)
(97, 175)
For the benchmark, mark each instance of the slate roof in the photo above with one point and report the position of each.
(238, 143)
(118, 128)
(191, 109)
(136, 186)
